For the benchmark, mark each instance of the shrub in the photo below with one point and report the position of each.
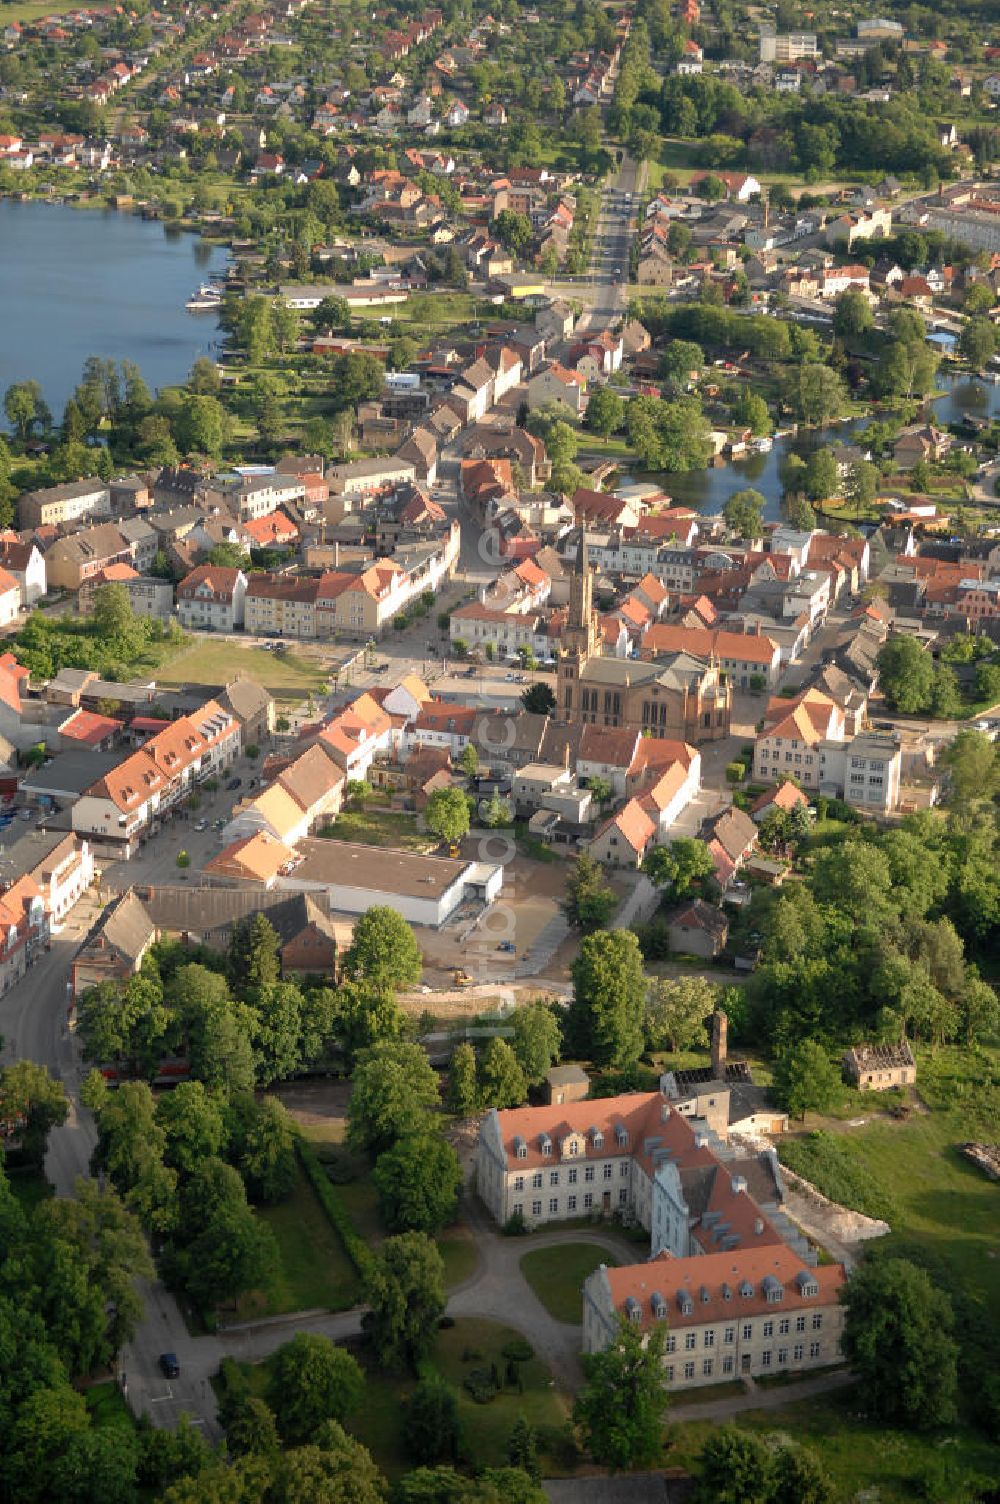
(514, 1227)
(735, 772)
(482, 1385)
(253, 752)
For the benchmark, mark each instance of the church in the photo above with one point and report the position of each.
(679, 698)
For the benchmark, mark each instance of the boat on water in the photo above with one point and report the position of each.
(763, 445)
(206, 298)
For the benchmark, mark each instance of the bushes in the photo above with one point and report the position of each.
(336, 1212)
(833, 1167)
(735, 772)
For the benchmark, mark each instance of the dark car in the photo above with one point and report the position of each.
(234, 783)
(170, 1366)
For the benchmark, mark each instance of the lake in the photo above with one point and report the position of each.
(81, 282)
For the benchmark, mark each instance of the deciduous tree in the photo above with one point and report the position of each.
(418, 1182)
(898, 1339)
(621, 1407)
(312, 1381)
(609, 992)
(404, 1289)
(383, 950)
(394, 1089)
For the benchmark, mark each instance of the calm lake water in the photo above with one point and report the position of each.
(709, 490)
(81, 282)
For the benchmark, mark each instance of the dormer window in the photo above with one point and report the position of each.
(746, 1289)
(684, 1303)
(659, 1306)
(597, 1138)
(574, 1146)
(774, 1290)
(633, 1309)
(545, 1144)
(520, 1148)
(621, 1134)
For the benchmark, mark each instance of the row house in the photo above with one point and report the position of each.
(24, 930)
(309, 789)
(509, 632)
(60, 866)
(211, 599)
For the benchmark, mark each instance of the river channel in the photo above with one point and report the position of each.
(81, 282)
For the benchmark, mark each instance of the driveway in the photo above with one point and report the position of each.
(499, 1292)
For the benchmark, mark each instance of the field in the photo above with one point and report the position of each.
(288, 676)
(315, 1270)
(557, 1274)
(945, 1214)
(33, 10)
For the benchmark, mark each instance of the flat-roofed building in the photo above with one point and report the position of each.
(423, 889)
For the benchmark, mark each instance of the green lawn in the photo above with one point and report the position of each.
(865, 1460)
(107, 1406)
(468, 1345)
(557, 1274)
(946, 1212)
(288, 676)
(33, 10)
(433, 311)
(457, 1247)
(314, 1269)
(379, 827)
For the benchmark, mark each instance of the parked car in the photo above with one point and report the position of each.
(201, 825)
(234, 783)
(170, 1366)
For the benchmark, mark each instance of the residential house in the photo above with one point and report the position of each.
(10, 598)
(26, 563)
(211, 598)
(731, 838)
(556, 383)
(72, 560)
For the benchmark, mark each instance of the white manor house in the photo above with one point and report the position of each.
(732, 1277)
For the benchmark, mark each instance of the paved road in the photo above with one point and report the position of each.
(612, 243)
(33, 1021)
(775, 1398)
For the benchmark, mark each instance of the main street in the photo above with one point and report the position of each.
(603, 290)
(34, 1023)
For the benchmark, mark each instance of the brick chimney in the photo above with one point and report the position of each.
(720, 1029)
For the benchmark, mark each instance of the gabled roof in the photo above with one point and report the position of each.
(633, 824)
(259, 857)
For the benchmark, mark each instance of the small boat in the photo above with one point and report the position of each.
(207, 297)
(763, 445)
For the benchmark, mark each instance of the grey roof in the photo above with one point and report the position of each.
(125, 926)
(28, 852)
(567, 1075)
(69, 773)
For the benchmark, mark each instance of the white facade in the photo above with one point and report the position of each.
(206, 612)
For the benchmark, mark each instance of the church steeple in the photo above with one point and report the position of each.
(580, 634)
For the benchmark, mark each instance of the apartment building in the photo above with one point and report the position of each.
(70, 561)
(807, 739)
(61, 867)
(66, 503)
(277, 605)
(26, 563)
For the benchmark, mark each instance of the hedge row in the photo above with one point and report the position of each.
(337, 1215)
